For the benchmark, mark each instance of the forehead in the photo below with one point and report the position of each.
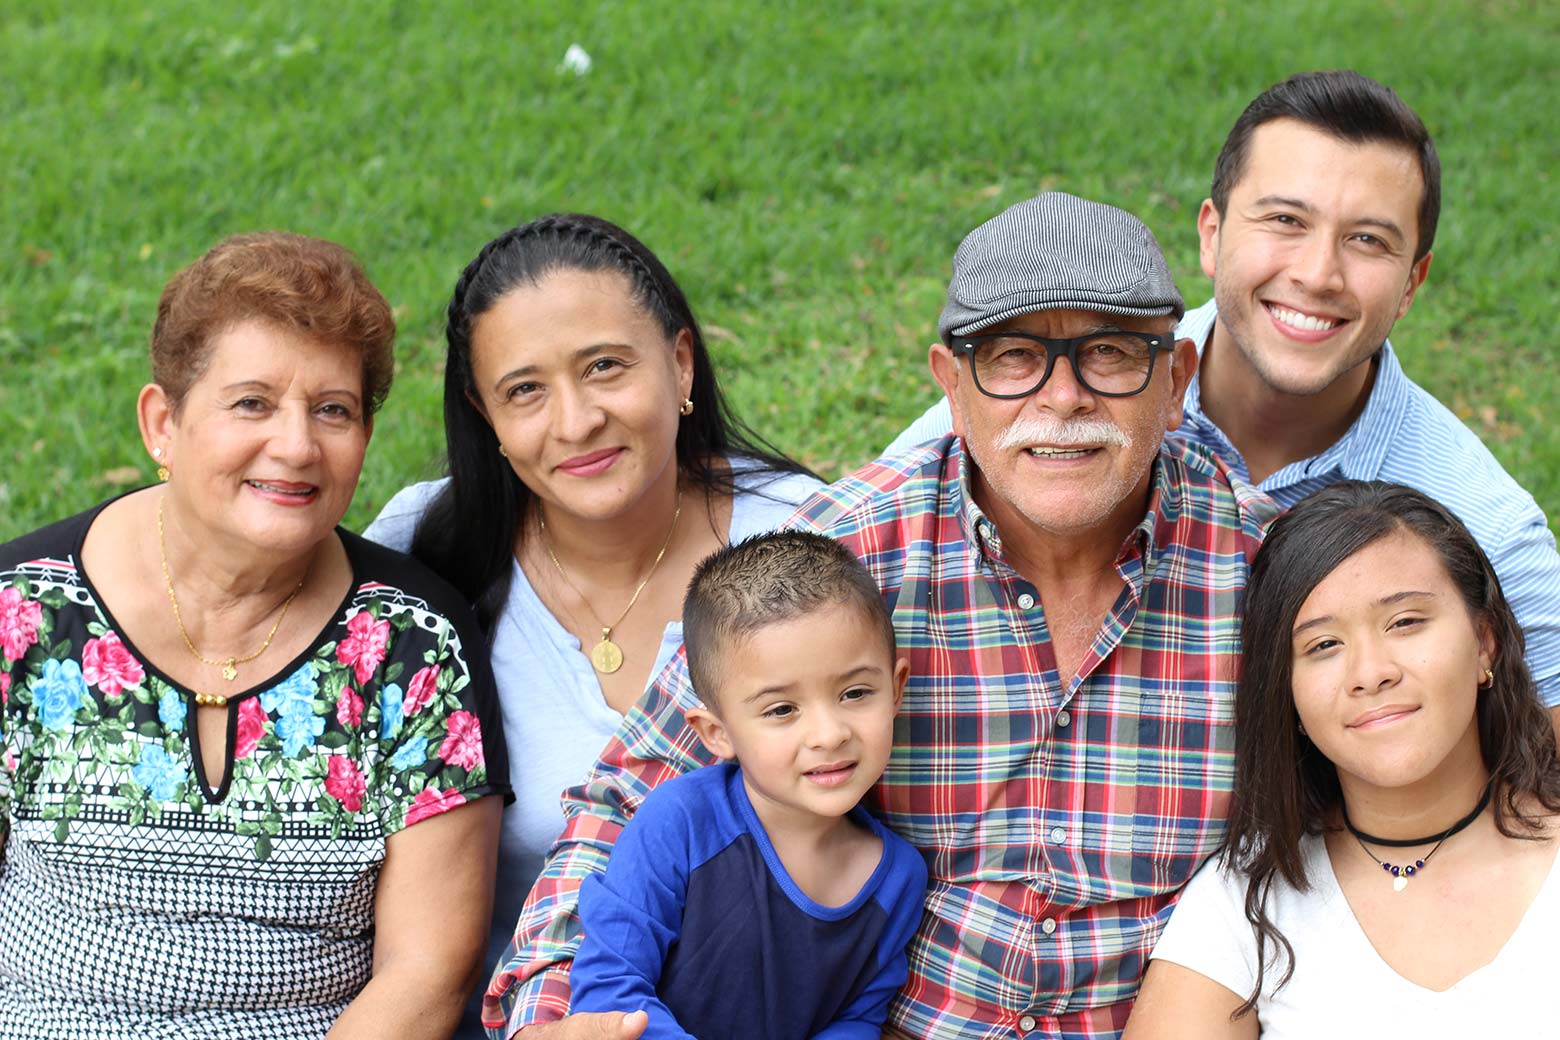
(1063, 324)
(1288, 159)
(568, 308)
(1400, 561)
(265, 352)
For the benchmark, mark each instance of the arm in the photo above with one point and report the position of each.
(654, 744)
(1529, 572)
(430, 923)
(1177, 1002)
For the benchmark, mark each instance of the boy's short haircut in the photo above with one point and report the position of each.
(765, 580)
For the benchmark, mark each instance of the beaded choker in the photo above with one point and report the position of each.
(1402, 872)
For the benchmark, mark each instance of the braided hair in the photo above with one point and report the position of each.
(472, 529)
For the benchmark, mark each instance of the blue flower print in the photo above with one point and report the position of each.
(59, 693)
(170, 710)
(298, 732)
(294, 695)
(390, 711)
(413, 753)
(159, 772)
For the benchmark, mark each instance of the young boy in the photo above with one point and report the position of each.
(756, 899)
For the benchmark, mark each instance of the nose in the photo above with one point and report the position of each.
(1372, 667)
(1316, 268)
(576, 416)
(826, 729)
(1062, 393)
(296, 441)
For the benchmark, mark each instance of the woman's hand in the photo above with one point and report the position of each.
(431, 915)
(609, 1025)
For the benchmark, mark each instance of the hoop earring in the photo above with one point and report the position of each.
(1489, 679)
(687, 407)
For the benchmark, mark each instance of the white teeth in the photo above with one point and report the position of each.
(1059, 453)
(1302, 321)
(278, 491)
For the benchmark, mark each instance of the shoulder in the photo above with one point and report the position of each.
(894, 487)
(765, 498)
(390, 574)
(1203, 495)
(693, 811)
(58, 540)
(397, 521)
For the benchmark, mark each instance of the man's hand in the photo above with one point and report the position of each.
(586, 1025)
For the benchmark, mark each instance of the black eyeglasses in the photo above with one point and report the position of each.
(1016, 364)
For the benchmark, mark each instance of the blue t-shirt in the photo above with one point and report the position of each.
(697, 922)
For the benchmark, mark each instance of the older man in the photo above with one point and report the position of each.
(1317, 236)
(1065, 587)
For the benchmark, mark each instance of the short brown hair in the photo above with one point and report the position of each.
(305, 284)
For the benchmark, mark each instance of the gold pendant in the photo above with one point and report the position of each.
(606, 656)
(1399, 883)
(230, 670)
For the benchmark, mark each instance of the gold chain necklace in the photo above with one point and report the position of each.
(606, 656)
(229, 665)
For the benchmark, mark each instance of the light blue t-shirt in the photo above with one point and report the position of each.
(1404, 435)
(556, 719)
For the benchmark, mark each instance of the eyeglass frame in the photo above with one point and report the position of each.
(964, 346)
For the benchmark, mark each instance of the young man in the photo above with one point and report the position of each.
(1317, 236)
(1065, 586)
(756, 899)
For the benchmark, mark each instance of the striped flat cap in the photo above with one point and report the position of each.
(1057, 251)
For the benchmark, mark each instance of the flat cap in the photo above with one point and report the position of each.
(1054, 252)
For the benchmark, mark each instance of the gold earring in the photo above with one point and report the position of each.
(687, 407)
(162, 473)
(502, 452)
(1489, 679)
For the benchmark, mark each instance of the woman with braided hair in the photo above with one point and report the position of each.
(592, 464)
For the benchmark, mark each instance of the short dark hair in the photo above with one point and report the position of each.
(1284, 787)
(1349, 106)
(764, 580)
(311, 286)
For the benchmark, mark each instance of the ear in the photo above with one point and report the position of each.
(1489, 653)
(711, 731)
(1208, 237)
(1182, 367)
(901, 673)
(1416, 278)
(945, 369)
(682, 353)
(154, 414)
(476, 402)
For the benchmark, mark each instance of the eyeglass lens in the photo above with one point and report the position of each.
(1110, 363)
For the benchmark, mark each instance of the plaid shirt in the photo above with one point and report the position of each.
(1059, 815)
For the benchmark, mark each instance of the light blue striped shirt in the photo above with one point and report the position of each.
(1408, 437)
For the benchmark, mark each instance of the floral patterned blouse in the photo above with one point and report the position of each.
(136, 899)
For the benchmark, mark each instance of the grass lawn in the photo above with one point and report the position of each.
(805, 170)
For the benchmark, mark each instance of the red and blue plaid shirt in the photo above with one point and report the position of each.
(1059, 815)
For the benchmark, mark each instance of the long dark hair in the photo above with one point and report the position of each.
(1284, 787)
(470, 531)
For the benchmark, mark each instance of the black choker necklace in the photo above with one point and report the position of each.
(1401, 874)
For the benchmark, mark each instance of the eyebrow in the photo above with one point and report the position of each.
(1385, 601)
(1383, 223)
(779, 688)
(261, 384)
(574, 358)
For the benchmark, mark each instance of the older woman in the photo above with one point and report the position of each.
(593, 464)
(1391, 866)
(246, 754)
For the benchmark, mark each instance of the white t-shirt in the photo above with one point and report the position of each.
(1341, 987)
(556, 719)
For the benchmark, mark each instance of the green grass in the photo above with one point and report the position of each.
(805, 172)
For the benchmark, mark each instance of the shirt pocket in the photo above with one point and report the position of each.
(974, 947)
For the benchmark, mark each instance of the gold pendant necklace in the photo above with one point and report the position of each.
(606, 656)
(228, 665)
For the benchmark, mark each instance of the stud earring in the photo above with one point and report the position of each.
(1301, 727)
(162, 471)
(502, 452)
(687, 407)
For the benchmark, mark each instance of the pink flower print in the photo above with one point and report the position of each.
(344, 782)
(251, 727)
(463, 746)
(5, 688)
(106, 664)
(10, 761)
(431, 801)
(421, 690)
(349, 709)
(19, 621)
(365, 645)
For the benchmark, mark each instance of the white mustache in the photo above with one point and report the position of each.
(1030, 430)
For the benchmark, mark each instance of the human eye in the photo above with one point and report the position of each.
(336, 411)
(857, 693)
(250, 404)
(1408, 622)
(523, 391)
(603, 366)
(778, 712)
(1321, 646)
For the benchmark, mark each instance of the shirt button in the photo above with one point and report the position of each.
(1026, 601)
(1027, 1023)
(1058, 835)
(1048, 926)
(1063, 719)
